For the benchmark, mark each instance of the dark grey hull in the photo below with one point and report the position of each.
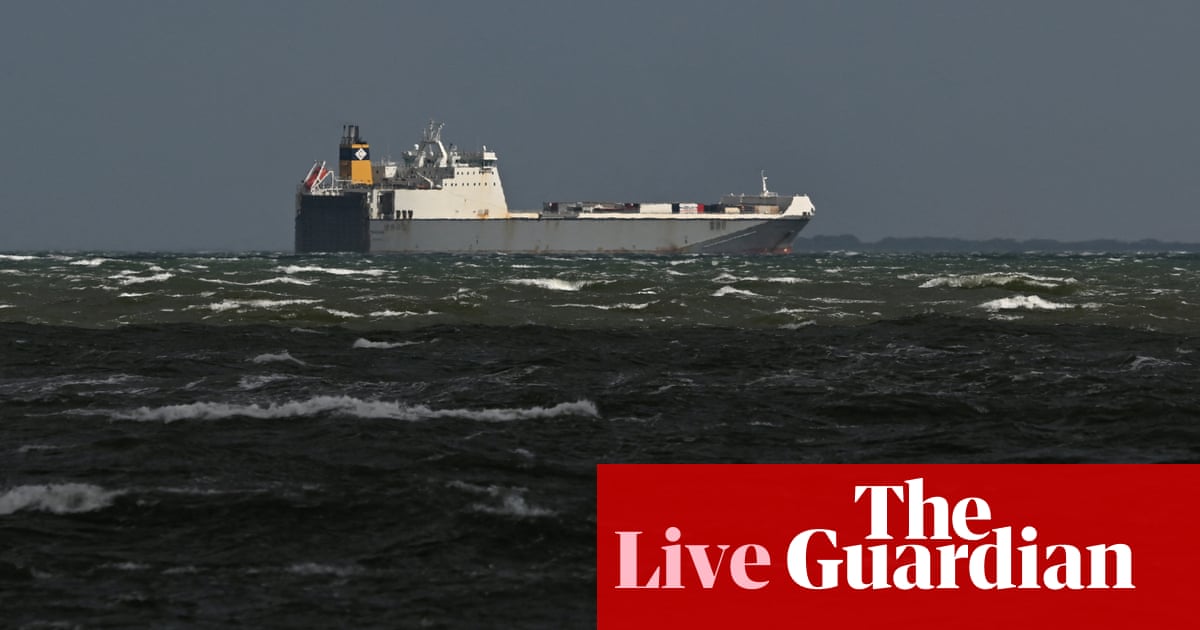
(332, 223)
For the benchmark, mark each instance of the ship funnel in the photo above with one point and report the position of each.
(354, 157)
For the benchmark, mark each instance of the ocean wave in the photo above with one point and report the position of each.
(254, 381)
(292, 269)
(389, 313)
(16, 257)
(313, 568)
(259, 283)
(228, 305)
(513, 504)
(343, 314)
(276, 357)
(552, 284)
(1028, 302)
(348, 405)
(132, 295)
(89, 262)
(728, 290)
(125, 279)
(29, 448)
(59, 498)
(511, 500)
(621, 306)
(125, 566)
(381, 345)
(1002, 280)
(1143, 362)
(788, 280)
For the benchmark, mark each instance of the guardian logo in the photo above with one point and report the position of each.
(759, 545)
(983, 557)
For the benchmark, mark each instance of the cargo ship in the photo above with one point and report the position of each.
(442, 200)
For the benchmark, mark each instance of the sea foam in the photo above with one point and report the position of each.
(1029, 302)
(226, 305)
(382, 345)
(552, 284)
(127, 280)
(513, 504)
(1000, 280)
(59, 498)
(351, 406)
(89, 262)
(728, 290)
(290, 269)
(512, 500)
(276, 357)
(622, 306)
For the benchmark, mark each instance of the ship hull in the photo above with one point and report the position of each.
(581, 235)
(332, 223)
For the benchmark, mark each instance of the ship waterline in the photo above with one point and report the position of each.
(443, 201)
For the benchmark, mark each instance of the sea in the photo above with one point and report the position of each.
(277, 440)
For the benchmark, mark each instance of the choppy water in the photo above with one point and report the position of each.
(406, 441)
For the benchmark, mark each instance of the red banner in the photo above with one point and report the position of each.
(898, 546)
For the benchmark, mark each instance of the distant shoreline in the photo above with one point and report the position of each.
(929, 244)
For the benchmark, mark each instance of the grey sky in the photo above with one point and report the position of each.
(186, 125)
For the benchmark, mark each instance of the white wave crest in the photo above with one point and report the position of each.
(132, 295)
(337, 313)
(349, 406)
(997, 279)
(513, 504)
(621, 306)
(127, 280)
(390, 313)
(382, 345)
(89, 262)
(59, 498)
(255, 381)
(281, 356)
(512, 500)
(552, 284)
(258, 283)
(728, 290)
(291, 269)
(1143, 362)
(226, 305)
(788, 280)
(16, 257)
(1028, 302)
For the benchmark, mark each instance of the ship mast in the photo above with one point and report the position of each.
(765, 192)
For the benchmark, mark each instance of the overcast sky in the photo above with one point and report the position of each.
(186, 125)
